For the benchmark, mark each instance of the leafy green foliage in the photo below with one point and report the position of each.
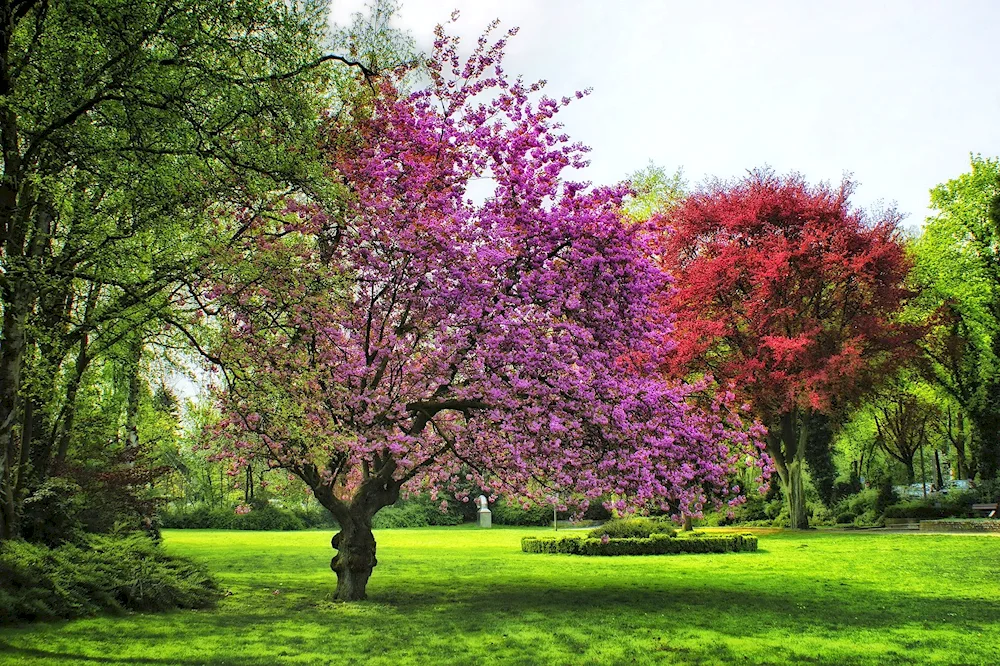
(266, 517)
(861, 504)
(416, 512)
(631, 528)
(654, 191)
(952, 505)
(128, 130)
(958, 266)
(511, 512)
(105, 573)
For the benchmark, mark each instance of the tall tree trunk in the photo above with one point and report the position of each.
(937, 469)
(959, 442)
(63, 431)
(134, 389)
(911, 473)
(923, 470)
(15, 319)
(798, 518)
(786, 444)
(25, 228)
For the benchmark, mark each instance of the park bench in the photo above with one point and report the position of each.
(991, 508)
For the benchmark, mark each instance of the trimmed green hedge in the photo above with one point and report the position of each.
(103, 573)
(655, 544)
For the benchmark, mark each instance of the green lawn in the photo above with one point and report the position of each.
(465, 596)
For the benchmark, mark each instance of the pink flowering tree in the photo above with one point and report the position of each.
(411, 338)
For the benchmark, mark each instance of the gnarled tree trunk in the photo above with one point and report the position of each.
(355, 559)
(355, 543)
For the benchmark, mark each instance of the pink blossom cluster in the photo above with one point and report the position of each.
(516, 345)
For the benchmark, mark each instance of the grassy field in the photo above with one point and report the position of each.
(464, 596)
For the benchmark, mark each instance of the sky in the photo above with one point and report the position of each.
(895, 93)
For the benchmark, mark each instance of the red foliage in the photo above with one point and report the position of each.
(786, 290)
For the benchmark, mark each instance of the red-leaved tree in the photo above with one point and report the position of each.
(785, 290)
(411, 337)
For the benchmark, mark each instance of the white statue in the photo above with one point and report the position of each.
(485, 515)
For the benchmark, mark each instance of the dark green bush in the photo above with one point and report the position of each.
(858, 509)
(413, 512)
(626, 528)
(52, 512)
(102, 573)
(511, 513)
(886, 496)
(392, 517)
(315, 517)
(985, 492)
(417, 512)
(952, 505)
(266, 517)
(655, 544)
(197, 517)
(868, 519)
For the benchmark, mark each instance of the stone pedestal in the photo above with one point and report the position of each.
(485, 518)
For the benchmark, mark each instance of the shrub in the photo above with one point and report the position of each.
(655, 544)
(953, 505)
(408, 515)
(511, 513)
(314, 517)
(52, 512)
(886, 496)
(266, 517)
(631, 528)
(103, 573)
(986, 492)
(867, 519)
(416, 512)
(198, 517)
(858, 509)
(819, 514)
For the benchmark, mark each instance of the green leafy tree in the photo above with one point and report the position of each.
(655, 191)
(125, 130)
(958, 265)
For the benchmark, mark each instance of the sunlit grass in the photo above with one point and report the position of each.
(468, 596)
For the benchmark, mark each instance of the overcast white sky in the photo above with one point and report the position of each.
(896, 92)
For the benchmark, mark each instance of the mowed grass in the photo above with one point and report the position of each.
(468, 596)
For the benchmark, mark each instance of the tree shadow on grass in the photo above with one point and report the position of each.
(449, 623)
(817, 604)
(24, 654)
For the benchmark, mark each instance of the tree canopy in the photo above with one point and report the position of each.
(786, 290)
(412, 336)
